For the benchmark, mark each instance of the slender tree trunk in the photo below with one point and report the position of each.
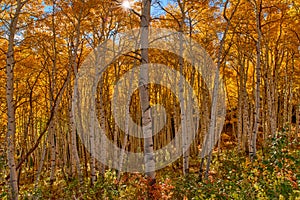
(92, 130)
(285, 97)
(245, 116)
(126, 134)
(52, 93)
(75, 158)
(239, 114)
(211, 136)
(183, 116)
(41, 164)
(252, 150)
(297, 120)
(11, 123)
(73, 69)
(144, 93)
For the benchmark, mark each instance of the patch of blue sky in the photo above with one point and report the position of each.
(156, 11)
(47, 8)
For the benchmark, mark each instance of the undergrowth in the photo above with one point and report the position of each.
(274, 174)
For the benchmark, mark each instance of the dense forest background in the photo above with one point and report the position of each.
(256, 47)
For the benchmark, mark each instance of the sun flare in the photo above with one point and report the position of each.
(126, 4)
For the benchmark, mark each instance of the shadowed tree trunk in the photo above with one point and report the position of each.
(252, 149)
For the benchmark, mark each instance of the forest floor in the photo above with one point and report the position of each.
(274, 174)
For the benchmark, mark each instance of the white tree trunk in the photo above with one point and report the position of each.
(11, 123)
(144, 93)
(73, 69)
